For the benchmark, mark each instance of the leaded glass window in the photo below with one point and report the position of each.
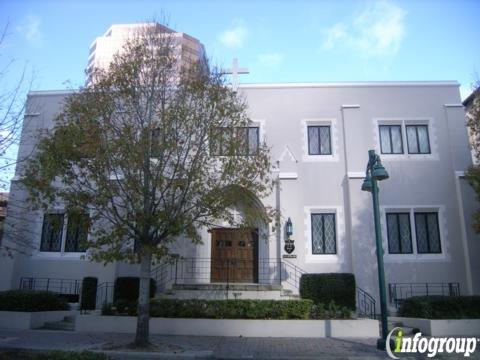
(417, 139)
(323, 234)
(427, 232)
(319, 141)
(52, 231)
(248, 139)
(391, 139)
(399, 233)
(77, 232)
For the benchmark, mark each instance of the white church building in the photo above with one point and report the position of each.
(319, 134)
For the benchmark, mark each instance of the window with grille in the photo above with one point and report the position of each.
(323, 234)
(418, 139)
(77, 232)
(319, 140)
(224, 141)
(391, 139)
(52, 231)
(427, 233)
(399, 233)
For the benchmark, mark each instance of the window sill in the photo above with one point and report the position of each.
(322, 258)
(398, 258)
(409, 157)
(319, 158)
(59, 255)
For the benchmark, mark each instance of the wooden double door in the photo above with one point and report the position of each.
(234, 255)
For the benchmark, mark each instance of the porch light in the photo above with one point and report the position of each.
(289, 228)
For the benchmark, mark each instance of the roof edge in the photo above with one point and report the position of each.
(353, 84)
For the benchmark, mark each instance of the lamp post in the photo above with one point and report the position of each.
(376, 172)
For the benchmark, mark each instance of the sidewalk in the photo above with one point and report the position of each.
(190, 347)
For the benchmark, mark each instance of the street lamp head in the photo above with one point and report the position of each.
(378, 171)
(367, 184)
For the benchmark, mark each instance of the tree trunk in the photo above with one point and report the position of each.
(143, 310)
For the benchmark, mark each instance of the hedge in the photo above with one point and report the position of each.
(89, 293)
(231, 309)
(31, 301)
(324, 288)
(441, 307)
(126, 289)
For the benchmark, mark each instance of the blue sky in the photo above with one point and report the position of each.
(279, 41)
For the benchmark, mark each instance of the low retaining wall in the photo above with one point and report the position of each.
(233, 327)
(29, 320)
(454, 327)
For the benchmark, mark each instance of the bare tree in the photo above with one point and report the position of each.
(12, 102)
(473, 123)
(153, 149)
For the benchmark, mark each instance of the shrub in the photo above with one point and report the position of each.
(441, 307)
(89, 293)
(31, 301)
(332, 311)
(126, 307)
(126, 288)
(231, 309)
(108, 310)
(324, 288)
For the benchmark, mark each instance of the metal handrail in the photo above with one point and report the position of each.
(57, 285)
(365, 303)
(398, 292)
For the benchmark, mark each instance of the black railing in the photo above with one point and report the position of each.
(104, 294)
(67, 288)
(401, 291)
(365, 304)
(202, 270)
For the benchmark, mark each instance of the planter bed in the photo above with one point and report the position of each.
(20, 320)
(233, 327)
(443, 327)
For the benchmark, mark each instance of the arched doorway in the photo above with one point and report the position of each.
(235, 249)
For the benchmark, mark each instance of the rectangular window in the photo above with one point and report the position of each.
(155, 148)
(428, 233)
(319, 141)
(399, 233)
(417, 139)
(323, 234)
(391, 139)
(52, 231)
(77, 232)
(245, 140)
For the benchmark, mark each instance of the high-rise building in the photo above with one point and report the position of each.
(104, 47)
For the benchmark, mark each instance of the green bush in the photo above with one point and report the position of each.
(126, 288)
(31, 301)
(108, 310)
(332, 311)
(231, 309)
(325, 288)
(126, 307)
(89, 293)
(441, 307)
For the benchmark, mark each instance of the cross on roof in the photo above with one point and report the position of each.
(235, 71)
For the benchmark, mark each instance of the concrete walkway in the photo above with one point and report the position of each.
(177, 347)
(196, 347)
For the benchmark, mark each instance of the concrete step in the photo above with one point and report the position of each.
(221, 291)
(59, 325)
(67, 324)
